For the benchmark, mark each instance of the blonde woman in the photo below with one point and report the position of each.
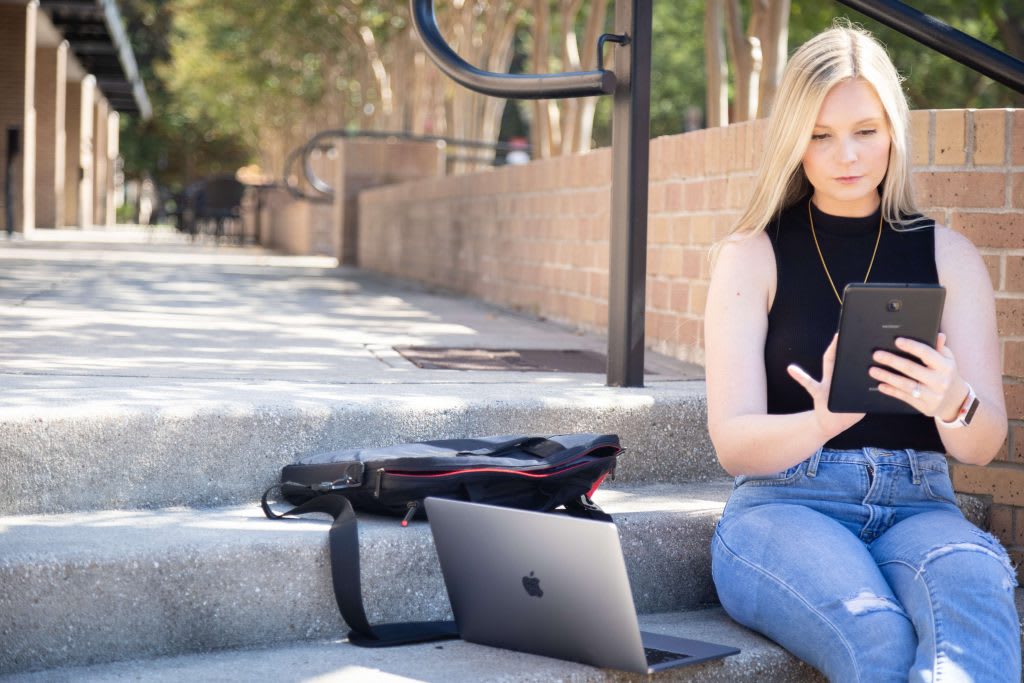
(842, 540)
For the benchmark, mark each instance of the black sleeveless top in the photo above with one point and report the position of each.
(805, 312)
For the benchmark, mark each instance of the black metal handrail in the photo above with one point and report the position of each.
(516, 86)
(945, 39)
(320, 140)
(630, 85)
(627, 266)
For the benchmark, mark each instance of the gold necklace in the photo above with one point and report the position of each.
(822, 257)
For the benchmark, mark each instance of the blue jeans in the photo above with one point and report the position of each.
(860, 563)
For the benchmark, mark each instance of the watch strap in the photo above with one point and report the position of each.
(966, 413)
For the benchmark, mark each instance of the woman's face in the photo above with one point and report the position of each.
(848, 154)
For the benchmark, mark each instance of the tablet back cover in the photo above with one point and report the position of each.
(873, 316)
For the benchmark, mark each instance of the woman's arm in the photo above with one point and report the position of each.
(747, 439)
(968, 327)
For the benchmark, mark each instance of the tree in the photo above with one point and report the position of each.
(757, 53)
(934, 81)
(565, 126)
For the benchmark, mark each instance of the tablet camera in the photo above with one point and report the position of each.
(894, 306)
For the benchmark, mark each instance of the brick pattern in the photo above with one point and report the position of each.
(13, 19)
(86, 152)
(49, 126)
(113, 140)
(535, 238)
(69, 135)
(101, 163)
(72, 152)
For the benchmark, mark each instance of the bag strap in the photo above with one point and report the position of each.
(345, 575)
(538, 446)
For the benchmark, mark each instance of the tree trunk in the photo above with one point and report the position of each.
(380, 74)
(774, 48)
(745, 50)
(588, 105)
(1011, 30)
(540, 131)
(717, 72)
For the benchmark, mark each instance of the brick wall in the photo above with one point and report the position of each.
(101, 166)
(970, 176)
(72, 152)
(49, 97)
(352, 165)
(535, 238)
(113, 149)
(28, 137)
(14, 19)
(86, 152)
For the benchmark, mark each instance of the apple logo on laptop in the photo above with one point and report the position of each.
(532, 586)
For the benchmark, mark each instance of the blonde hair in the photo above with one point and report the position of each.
(844, 52)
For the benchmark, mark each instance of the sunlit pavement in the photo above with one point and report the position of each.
(138, 313)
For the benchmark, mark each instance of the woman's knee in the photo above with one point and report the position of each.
(846, 623)
(960, 595)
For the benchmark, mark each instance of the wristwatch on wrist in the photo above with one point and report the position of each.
(966, 412)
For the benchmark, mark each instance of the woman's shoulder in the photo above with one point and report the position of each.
(956, 256)
(746, 260)
(746, 250)
(951, 244)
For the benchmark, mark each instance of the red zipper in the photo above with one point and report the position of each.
(484, 469)
(495, 469)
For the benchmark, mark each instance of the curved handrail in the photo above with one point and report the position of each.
(516, 86)
(326, 192)
(955, 44)
(293, 190)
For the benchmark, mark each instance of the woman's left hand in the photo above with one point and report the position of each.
(933, 386)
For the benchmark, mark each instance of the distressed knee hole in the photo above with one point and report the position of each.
(867, 602)
(987, 545)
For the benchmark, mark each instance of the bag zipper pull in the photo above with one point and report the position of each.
(413, 506)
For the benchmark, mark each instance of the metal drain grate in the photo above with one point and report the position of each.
(520, 360)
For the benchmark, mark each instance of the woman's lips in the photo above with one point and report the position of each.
(849, 179)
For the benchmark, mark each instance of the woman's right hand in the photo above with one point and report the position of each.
(831, 424)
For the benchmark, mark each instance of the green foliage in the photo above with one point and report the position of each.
(677, 70)
(178, 144)
(933, 81)
(220, 71)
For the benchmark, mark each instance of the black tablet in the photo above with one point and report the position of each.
(873, 316)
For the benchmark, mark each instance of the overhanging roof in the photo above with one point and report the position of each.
(96, 36)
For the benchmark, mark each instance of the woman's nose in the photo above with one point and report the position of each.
(847, 150)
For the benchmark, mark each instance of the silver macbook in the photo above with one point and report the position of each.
(550, 585)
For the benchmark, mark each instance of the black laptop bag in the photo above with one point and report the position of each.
(529, 472)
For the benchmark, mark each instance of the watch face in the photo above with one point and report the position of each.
(970, 411)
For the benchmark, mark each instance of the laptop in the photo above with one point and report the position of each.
(550, 585)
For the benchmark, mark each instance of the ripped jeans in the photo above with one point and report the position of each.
(860, 563)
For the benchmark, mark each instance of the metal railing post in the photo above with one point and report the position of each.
(944, 39)
(627, 276)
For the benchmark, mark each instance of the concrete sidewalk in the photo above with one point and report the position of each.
(133, 313)
(158, 372)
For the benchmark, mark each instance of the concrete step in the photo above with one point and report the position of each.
(86, 588)
(449, 662)
(128, 443)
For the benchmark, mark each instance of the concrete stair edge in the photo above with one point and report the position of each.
(334, 661)
(665, 531)
(77, 589)
(207, 454)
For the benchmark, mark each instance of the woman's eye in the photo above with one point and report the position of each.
(868, 131)
(819, 136)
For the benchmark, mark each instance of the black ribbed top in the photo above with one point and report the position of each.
(805, 312)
